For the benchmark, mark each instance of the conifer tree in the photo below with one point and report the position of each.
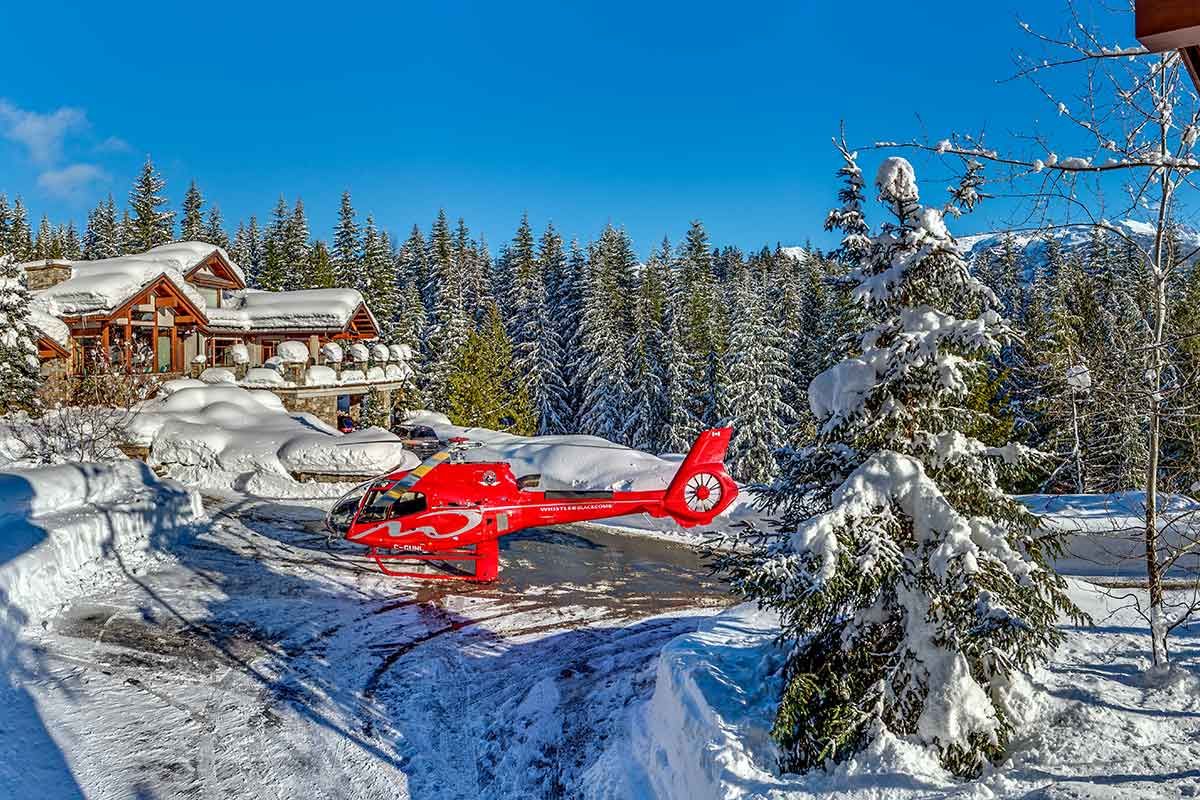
(150, 224)
(647, 379)
(296, 247)
(71, 248)
(450, 324)
(757, 380)
(413, 267)
(5, 223)
(214, 229)
(45, 246)
(604, 337)
(347, 249)
(273, 276)
(126, 234)
(910, 587)
(701, 323)
(561, 317)
(20, 374)
(191, 223)
(20, 237)
(320, 268)
(483, 389)
(380, 278)
(102, 237)
(536, 347)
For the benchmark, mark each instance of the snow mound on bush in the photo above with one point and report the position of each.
(225, 435)
(358, 352)
(332, 352)
(292, 352)
(239, 354)
(380, 352)
(263, 376)
(320, 376)
(217, 375)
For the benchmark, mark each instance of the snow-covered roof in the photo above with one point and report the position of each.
(304, 309)
(103, 286)
(50, 326)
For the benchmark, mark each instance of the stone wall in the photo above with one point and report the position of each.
(322, 407)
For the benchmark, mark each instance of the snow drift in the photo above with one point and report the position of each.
(64, 528)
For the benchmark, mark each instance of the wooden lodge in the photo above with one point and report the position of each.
(175, 305)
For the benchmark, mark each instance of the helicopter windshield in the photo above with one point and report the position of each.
(390, 504)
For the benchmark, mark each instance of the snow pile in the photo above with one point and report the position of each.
(398, 372)
(62, 528)
(226, 435)
(104, 285)
(175, 384)
(292, 352)
(400, 352)
(353, 376)
(376, 373)
(217, 375)
(358, 352)
(305, 309)
(332, 352)
(239, 354)
(50, 326)
(380, 352)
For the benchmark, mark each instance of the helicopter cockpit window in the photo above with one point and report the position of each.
(381, 506)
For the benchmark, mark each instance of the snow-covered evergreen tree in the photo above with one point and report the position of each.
(347, 249)
(273, 276)
(648, 411)
(71, 247)
(191, 222)
(150, 224)
(450, 325)
(214, 229)
(380, 278)
(20, 237)
(6, 223)
(910, 587)
(320, 267)
(101, 237)
(757, 379)
(536, 347)
(413, 267)
(603, 359)
(45, 244)
(296, 248)
(561, 314)
(20, 374)
(702, 322)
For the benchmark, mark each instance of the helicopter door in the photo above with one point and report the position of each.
(391, 504)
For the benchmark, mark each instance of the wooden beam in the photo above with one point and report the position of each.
(1167, 24)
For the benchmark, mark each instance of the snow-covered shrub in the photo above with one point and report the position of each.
(292, 352)
(217, 375)
(376, 373)
(331, 352)
(239, 354)
(380, 353)
(273, 363)
(400, 352)
(359, 352)
(910, 586)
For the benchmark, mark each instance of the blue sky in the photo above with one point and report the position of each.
(646, 115)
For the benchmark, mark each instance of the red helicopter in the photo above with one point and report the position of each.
(448, 509)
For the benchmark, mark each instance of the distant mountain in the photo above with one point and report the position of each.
(1033, 245)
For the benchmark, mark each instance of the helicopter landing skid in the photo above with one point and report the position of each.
(485, 555)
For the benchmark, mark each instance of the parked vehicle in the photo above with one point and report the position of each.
(420, 439)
